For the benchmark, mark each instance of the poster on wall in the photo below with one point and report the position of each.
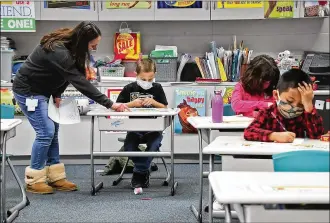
(113, 93)
(67, 4)
(128, 4)
(192, 102)
(278, 9)
(316, 8)
(239, 4)
(179, 4)
(17, 16)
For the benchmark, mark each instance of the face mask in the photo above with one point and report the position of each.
(287, 110)
(266, 84)
(146, 85)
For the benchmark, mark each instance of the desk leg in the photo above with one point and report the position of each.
(198, 214)
(100, 185)
(210, 191)
(25, 201)
(174, 184)
(3, 179)
(227, 213)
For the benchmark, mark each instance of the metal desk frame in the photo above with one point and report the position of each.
(169, 120)
(11, 214)
(204, 134)
(262, 153)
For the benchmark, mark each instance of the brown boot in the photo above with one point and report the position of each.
(36, 181)
(57, 178)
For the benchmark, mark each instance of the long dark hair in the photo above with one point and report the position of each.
(75, 40)
(261, 69)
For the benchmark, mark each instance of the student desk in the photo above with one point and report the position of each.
(8, 130)
(144, 120)
(248, 192)
(241, 155)
(205, 126)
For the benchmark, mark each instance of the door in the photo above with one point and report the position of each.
(182, 10)
(126, 10)
(237, 10)
(69, 10)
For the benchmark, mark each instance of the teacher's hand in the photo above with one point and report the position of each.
(57, 102)
(119, 107)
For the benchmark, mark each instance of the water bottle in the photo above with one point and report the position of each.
(217, 107)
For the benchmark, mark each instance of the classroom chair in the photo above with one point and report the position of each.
(227, 110)
(120, 177)
(302, 161)
(8, 112)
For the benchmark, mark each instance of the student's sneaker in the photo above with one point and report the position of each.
(217, 206)
(140, 180)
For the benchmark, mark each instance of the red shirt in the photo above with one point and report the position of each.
(265, 124)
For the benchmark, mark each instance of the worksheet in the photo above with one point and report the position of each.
(67, 113)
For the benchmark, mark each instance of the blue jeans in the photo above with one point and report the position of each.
(132, 141)
(45, 149)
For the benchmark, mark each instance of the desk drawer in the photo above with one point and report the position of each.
(229, 163)
(257, 213)
(136, 124)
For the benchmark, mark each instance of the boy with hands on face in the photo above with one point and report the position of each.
(292, 116)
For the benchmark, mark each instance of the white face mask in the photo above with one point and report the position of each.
(146, 85)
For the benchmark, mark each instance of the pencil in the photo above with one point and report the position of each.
(278, 121)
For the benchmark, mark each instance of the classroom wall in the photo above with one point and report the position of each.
(271, 36)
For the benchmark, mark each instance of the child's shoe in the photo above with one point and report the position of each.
(217, 206)
(140, 180)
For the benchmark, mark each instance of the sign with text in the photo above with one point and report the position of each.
(17, 16)
(278, 9)
(239, 4)
(128, 4)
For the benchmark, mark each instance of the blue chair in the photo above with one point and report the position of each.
(7, 111)
(227, 110)
(302, 161)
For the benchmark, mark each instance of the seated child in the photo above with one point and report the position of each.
(292, 116)
(255, 89)
(143, 93)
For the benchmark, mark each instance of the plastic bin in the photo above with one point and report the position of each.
(6, 64)
(7, 111)
(130, 68)
(166, 69)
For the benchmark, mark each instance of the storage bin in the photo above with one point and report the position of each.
(111, 71)
(130, 68)
(6, 64)
(166, 69)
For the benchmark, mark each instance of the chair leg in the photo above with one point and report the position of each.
(25, 201)
(120, 177)
(168, 174)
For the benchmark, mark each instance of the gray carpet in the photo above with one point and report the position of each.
(113, 204)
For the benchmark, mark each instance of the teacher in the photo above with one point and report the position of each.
(60, 59)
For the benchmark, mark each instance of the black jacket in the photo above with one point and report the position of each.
(50, 73)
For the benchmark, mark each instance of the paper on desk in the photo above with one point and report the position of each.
(67, 113)
(298, 141)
